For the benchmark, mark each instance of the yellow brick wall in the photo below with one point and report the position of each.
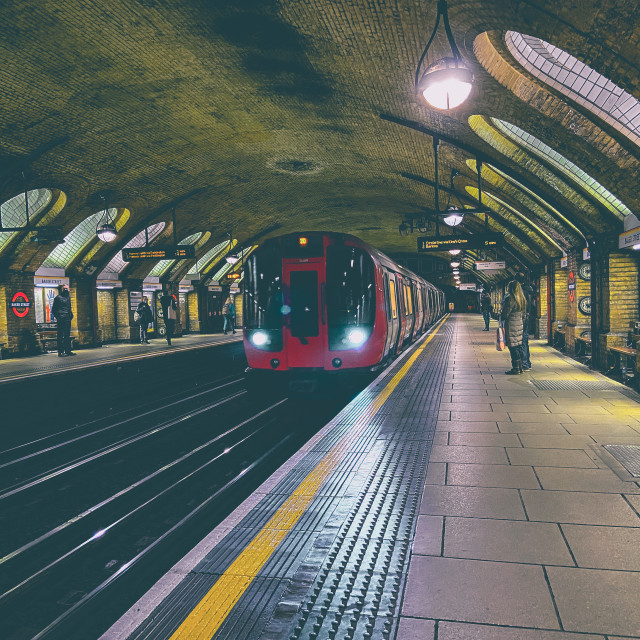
(561, 293)
(238, 301)
(623, 291)
(194, 317)
(541, 324)
(106, 315)
(122, 306)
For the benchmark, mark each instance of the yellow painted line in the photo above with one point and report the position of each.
(209, 614)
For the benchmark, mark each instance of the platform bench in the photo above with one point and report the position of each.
(558, 340)
(618, 362)
(583, 347)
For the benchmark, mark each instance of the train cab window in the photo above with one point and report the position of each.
(263, 288)
(303, 289)
(394, 302)
(351, 296)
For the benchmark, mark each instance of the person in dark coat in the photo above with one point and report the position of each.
(485, 307)
(229, 313)
(169, 309)
(527, 291)
(146, 318)
(514, 309)
(63, 314)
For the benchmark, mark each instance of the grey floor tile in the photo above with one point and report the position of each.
(428, 539)
(592, 480)
(469, 454)
(604, 547)
(491, 475)
(525, 401)
(635, 501)
(605, 439)
(416, 629)
(466, 406)
(505, 540)
(597, 601)
(478, 416)
(575, 507)
(590, 409)
(436, 473)
(464, 631)
(485, 439)
(548, 441)
(486, 427)
(477, 591)
(551, 458)
(539, 416)
(615, 428)
(540, 428)
(538, 407)
(472, 502)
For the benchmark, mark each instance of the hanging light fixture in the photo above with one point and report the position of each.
(455, 265)
(454, 252)
(106, 231)
(231, 258)
(453, 216)
(447, 82)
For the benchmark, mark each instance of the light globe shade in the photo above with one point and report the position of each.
(636, 246)
(446, 83)
(106, 232)
(454, 252)
(453, 217)
(455, 265)
(232, 259)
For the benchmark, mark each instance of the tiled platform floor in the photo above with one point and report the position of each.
(524, 532)
(48, 363)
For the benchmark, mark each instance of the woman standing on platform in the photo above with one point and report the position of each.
(146, 318)
(514, 307)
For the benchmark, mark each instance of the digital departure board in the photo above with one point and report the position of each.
(178, 252)
(475, 241)
(233, 276)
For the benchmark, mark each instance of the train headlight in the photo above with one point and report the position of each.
(356, 337)
(259, 338)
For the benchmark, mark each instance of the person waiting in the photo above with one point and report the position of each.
(63, 314)
(229, 313)
(145, 319)
(485, 307)
(512, 318)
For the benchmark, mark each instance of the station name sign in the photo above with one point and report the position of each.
(490, 266)
(470, 286)
(159, 253)
(475, 241)
(629, 238)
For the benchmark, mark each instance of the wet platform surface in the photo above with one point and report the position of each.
(49, 363)
(447, 502)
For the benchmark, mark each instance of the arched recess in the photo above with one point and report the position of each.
(492, 53)
(226, 268)
(163, 266)
(599, 219)
(209, 259)
(13, 212)
(81, 237)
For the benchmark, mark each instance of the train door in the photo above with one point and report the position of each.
(213, 319)
(305, 324)
(394, 313)
(409, 311)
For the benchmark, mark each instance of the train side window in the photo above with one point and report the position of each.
(387, 301)
(410, 296)
(394, 303)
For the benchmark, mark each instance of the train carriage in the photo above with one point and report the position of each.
(323, 301)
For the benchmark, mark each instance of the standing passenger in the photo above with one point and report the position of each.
(146, 318)
(169, 308)
(61, 310)
(485, 306)
(527, 291)
(512, 317)
(229, 313)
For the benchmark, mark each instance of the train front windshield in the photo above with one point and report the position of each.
(351, 300)
(263, 297)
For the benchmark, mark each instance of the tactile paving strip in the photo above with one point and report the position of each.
(340, 571)
(628, 455)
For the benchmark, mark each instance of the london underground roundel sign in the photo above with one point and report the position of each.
(20, 304)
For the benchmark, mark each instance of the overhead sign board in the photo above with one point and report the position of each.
(490, 266)
(475, 241)
(564, 262)
(629, 238)
(468, 286)
(234, 276)
(178, 252)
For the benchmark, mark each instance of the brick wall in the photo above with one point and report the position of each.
(541, 321)
(82, 291)
(561, 294)
(19, 334)
(238, 300)
(106, 319)
(194, 316)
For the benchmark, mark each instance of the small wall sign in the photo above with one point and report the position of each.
(584, 305)
(20, 304)
(571, 284)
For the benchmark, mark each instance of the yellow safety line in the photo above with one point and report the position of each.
(209, 614)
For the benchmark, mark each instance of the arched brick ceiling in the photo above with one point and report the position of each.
(263, 117)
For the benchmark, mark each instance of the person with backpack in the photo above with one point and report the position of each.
(169, 313)
(229, 313)
(144, 318)
(61, 310)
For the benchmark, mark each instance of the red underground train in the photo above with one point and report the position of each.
(323, 301)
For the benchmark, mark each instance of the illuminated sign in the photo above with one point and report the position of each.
(475, 241)
(178, 252)
(234, 276)
(20, 304)
(469, 286)
(490, 266)
(629, 238)
(571, 284)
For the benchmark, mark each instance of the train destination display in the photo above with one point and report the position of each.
(159, 253)
(446, 243)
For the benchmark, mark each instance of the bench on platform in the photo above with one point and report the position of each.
(558, 340)
(618, 362)
(49, 341)
(583, 347)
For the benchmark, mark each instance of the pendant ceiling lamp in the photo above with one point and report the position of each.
(107, 230)
(447, 82)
